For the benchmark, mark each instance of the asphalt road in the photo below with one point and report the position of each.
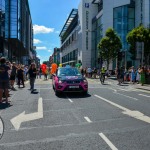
(109, 117)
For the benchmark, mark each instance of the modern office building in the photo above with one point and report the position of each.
(17, 31)
(123, 16)
(75, 36)
(69, 39)
(56, 55)
(86, 26)
(2, 26)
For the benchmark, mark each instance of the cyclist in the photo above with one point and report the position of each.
(102, 76)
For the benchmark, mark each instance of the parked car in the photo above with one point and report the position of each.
(69, 79)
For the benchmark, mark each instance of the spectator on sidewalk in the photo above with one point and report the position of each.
(4, 79)
(20, 75)
(137, 75)
(89, 71)
(142, 76)
(94, 73)
(13, 75)
(32, 76)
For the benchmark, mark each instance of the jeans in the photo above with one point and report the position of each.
(32, 80)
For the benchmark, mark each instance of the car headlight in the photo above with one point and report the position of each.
(60, 81)
(85, 81)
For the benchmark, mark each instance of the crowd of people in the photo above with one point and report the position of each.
(134, 75)
(11, 73)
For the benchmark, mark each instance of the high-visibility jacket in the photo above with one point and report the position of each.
(103, 70)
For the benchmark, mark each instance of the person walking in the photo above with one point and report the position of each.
(20, 75)
(4, 79)
(13, 75)
(40, 72)
(32, 76)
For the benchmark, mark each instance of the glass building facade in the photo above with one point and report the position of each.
(124, 22)
(18, 30)
(97, 34)
(2, 25)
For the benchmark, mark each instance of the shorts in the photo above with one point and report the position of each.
(12, 77)
(4, 84)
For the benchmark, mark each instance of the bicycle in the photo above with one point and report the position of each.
(102, 78)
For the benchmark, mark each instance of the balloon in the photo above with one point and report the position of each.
(43, 67)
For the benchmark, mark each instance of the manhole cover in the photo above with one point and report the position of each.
(1, 127)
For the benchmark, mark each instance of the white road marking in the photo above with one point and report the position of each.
(107, 141)
(144, 91)
(16, 121)
(144, 95)
(69, 100)
(1, 128)
(123, 90)
(126, 96)
(87, 119)
(26, 82)
(112, 103)
(135, 114)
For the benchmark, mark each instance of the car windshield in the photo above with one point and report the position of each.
(68, 72)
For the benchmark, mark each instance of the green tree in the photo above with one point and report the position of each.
(142, 35)
(109, 46)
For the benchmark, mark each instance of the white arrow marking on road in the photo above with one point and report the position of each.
(16, 121)
(134, 114)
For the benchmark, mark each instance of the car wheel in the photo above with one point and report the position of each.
(85, 93)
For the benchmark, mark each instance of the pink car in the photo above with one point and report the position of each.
(68, 79)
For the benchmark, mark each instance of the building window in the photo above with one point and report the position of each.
(124, 21)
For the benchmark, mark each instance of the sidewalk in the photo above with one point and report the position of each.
(137, 86)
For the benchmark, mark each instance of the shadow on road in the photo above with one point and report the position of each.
(5, 105)
(34, 92)
(123, 85)
(105, 84)
(74, 95)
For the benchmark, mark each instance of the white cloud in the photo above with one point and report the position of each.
(57, 32)
(36, 41)
(42, 29)
(41, 48)
(38, 56)
(49, 50)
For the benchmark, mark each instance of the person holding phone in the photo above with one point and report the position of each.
(32, 76)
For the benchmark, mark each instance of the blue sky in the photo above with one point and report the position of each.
(48, 18)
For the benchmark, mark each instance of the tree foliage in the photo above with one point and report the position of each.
(109, 46)
(140, 34)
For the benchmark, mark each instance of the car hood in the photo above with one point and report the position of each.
(70, 77)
